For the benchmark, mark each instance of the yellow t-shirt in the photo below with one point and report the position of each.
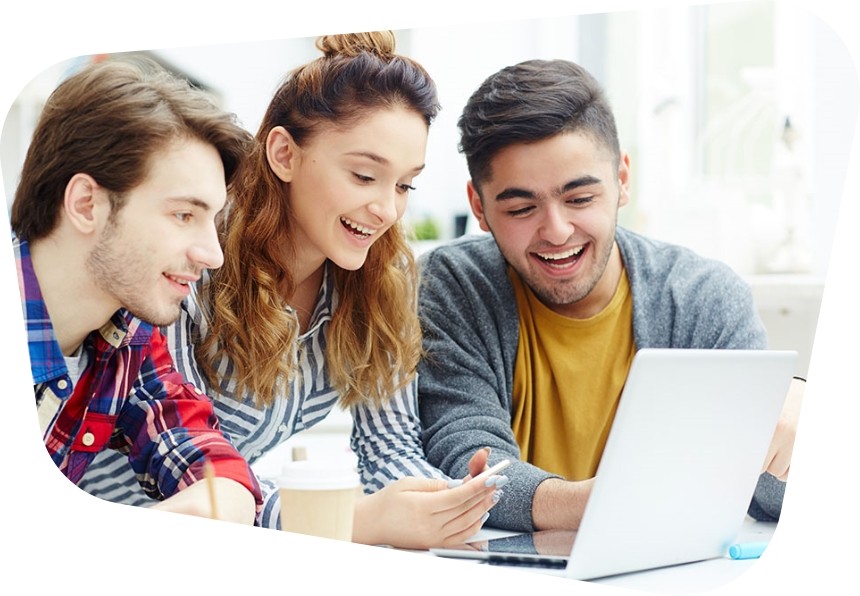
(568, 377)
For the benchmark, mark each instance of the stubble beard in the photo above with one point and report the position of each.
(117, 267)
(565, 293)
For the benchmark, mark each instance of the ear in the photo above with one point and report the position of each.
(624, 178)
(476, 205)
(281, 153)
(85, 204)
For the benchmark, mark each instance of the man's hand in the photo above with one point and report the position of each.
(233, 501)
(778, 457)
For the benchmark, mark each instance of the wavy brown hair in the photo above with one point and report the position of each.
(374, 341)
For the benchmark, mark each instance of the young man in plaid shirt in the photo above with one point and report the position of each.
(113, 218)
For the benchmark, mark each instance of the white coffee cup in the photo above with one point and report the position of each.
(318, 498)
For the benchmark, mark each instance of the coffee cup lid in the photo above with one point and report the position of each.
(318, 475)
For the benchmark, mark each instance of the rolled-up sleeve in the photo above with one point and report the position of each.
(170, 429)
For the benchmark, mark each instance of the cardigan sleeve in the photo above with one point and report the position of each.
(464, 382)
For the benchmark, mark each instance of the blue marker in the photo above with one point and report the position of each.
(747, 550)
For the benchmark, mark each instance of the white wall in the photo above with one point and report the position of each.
(652, 63)
(702, 175)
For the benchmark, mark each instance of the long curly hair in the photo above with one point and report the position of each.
(374, 340)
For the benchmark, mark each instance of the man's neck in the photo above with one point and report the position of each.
(75, 304)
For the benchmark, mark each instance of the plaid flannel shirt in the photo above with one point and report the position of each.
(130, 397)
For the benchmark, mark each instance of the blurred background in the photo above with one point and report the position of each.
(738, 117)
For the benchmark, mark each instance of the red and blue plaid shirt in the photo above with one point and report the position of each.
(129, 398)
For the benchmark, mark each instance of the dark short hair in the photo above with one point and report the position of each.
(107, 120)
(532, 101)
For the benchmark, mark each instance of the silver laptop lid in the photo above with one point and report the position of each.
(682, 459)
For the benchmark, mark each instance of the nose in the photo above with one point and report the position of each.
(557, 226)
(385, 207)
(206, 252)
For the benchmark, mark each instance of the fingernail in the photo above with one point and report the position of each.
(455, 482)
(497, 496)
(487, 449)
(491, 481)
(485, 517)
(501, 481)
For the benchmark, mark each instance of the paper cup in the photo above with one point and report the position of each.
(318, 498)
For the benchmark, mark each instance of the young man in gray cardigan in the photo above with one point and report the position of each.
(558, 292)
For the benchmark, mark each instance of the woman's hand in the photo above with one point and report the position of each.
(419, 513)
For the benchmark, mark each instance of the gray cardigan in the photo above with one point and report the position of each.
(469, 317)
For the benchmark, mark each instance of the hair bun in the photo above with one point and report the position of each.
(381, 43)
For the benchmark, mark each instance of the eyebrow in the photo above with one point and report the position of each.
(514, 192)
(378, 159)
(193, 201)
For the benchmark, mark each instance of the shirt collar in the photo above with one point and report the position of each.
(46, 358)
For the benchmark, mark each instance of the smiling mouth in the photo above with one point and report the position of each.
(561, 259)
(182, 282)
(185, 281)
(357, 230)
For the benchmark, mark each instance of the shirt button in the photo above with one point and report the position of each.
(198, 391)
(62, 384)
(88, 439)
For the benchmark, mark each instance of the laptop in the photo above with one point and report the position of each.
(678, 471)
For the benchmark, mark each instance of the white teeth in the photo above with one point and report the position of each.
(561, 255)
(183, 282)
(358, 228)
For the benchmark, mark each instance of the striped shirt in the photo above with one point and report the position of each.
(386, 440)
(127, 397)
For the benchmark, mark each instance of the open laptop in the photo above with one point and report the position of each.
(679, 468)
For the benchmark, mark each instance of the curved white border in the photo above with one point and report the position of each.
(49, 549)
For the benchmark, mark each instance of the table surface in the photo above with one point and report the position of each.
(678, 579)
